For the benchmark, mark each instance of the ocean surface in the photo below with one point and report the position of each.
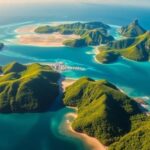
(47, 131)
(111, 14)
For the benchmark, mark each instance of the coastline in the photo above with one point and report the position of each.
(26, 29)
(92, 142)
(96, 52)
(67, 82)
(26, 36)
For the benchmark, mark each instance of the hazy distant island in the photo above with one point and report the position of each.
(108, 114)
(91, 33)
(136, 46)
(27, 88)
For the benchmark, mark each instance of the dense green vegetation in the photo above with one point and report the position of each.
(27, 88)
(74, 28)
(76, 43)
(106, 56)
(135, 48)
(90, 38)
(132, 30)
(104, 111)
(137, 138)
(92, 33)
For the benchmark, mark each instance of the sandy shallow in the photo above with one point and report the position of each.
(93, 143)
(26, 29)
(67, 82)
(96, 52)
(27, 36)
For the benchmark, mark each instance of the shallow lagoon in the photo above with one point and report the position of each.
(46, 131)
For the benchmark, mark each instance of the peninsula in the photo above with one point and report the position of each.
(108, 114)
(134, 47)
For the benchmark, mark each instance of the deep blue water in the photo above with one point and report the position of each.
(47, 131)
(111, 14)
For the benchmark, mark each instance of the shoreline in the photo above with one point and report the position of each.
(96, 52)
(25, 35)
(92, 142)
(26, 28)
(67, 82)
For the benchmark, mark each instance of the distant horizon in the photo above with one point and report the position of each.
(144, 3)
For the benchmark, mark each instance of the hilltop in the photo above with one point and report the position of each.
(135, 48)
(90, 38)
(132, 30)
(91, 33)
(27, 88)
(104, 111)
(73, 28)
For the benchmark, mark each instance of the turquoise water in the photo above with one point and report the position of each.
(127, 74)
(46, 131)
(37, 132)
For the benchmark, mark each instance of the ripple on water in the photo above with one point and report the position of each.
(49, 131)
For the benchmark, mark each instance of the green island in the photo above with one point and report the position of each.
(106, 113)
(91, 34)
(27, 88)
(138, 137)
(90, 38)
(133, 48)
(132, 30)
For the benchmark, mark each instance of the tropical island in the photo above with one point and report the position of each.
(135, 48)
(134, 43)
(91, 33)
(27, 88)
(106, 113)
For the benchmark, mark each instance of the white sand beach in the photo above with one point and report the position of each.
(26, 29)
(27, 36)
(91, 141)
(67, 82)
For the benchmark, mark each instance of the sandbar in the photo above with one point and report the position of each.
(26, 36)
